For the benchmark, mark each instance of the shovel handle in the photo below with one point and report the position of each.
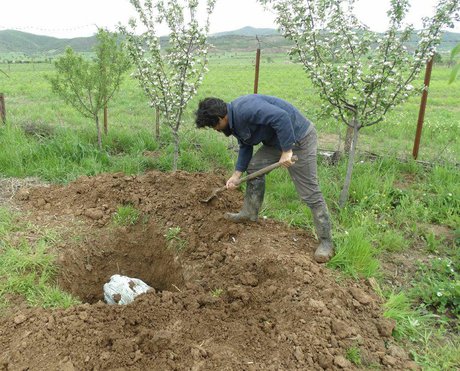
(263, 171)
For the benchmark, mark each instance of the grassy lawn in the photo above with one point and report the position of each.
(399, 213)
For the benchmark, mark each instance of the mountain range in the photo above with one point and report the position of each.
(14, 43)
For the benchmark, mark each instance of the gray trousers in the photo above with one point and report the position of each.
(303, 173)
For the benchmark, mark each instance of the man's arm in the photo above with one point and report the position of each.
(244, 156)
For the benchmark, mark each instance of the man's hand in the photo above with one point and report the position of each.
(232, 182)
(285, 159)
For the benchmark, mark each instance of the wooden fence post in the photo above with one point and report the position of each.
(421, 112)
(2, 108)
(256, 78)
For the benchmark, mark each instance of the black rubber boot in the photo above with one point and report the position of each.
(322, 222)
(253, 199)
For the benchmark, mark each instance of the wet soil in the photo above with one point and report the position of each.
(226, 296)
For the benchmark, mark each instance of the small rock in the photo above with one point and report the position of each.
(83, 316)
(397, 352)
(198, 352)
(388, 360)
(317, 304)
(271, 290)
(342, 362)
(23, 194)
(94, 213)
(104, 356)
(360, 296)
(137, 356)
(385, 326)
(341, 329)
(20, 318)
(359, 339)
(40, 202)
(204, 300)
(236, 292)
(67, 366)
(116, 298)
(325, 361)
(299, 355)
(249, 279)
(50, 323)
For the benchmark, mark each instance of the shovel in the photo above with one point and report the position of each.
(255, 174)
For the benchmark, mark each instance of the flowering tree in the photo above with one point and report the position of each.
(171, 78)
(359, 74)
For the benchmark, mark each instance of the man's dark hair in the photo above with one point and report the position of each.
(210, 110)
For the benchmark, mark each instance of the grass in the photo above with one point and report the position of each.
(410, 323)
(394, 206)
(354, 355)
(432, 346)
(174, 240)
(217, 292)
(126, 215)
(27, 268)
(355, 255)
(438, 286)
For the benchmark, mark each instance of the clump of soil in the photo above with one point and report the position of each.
(234, 297)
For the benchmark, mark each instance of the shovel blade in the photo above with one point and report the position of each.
(214, 194)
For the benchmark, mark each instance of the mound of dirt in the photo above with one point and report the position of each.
(227, 296)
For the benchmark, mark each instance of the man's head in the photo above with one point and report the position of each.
(212, 112)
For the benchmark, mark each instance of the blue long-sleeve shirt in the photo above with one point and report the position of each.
(257, 118)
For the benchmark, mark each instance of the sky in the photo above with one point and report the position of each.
(81, 18)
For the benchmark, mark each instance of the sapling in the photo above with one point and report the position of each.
(89, 85)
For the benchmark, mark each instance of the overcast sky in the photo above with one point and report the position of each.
(75, 18)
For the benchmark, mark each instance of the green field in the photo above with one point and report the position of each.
(232, 75)
(395, 207)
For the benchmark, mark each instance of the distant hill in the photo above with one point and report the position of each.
(247, 31)
(17, 42)
(12, 41)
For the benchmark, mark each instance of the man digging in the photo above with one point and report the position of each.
(283, 131)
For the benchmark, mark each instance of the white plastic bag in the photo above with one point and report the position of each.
(122, 290)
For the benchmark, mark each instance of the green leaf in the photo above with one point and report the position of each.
(455, 51)
(454, 73)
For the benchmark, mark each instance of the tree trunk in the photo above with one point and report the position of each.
(348, 140)
(99, 136)
(106, 123)
(351, 158)
(157, 124)
(176, 148)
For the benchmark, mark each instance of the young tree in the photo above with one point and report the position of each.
(89, 85)
(359, 74)
(171, 78)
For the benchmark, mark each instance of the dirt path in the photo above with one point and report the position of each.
(236, 297)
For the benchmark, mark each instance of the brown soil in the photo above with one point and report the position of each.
(236, 297)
